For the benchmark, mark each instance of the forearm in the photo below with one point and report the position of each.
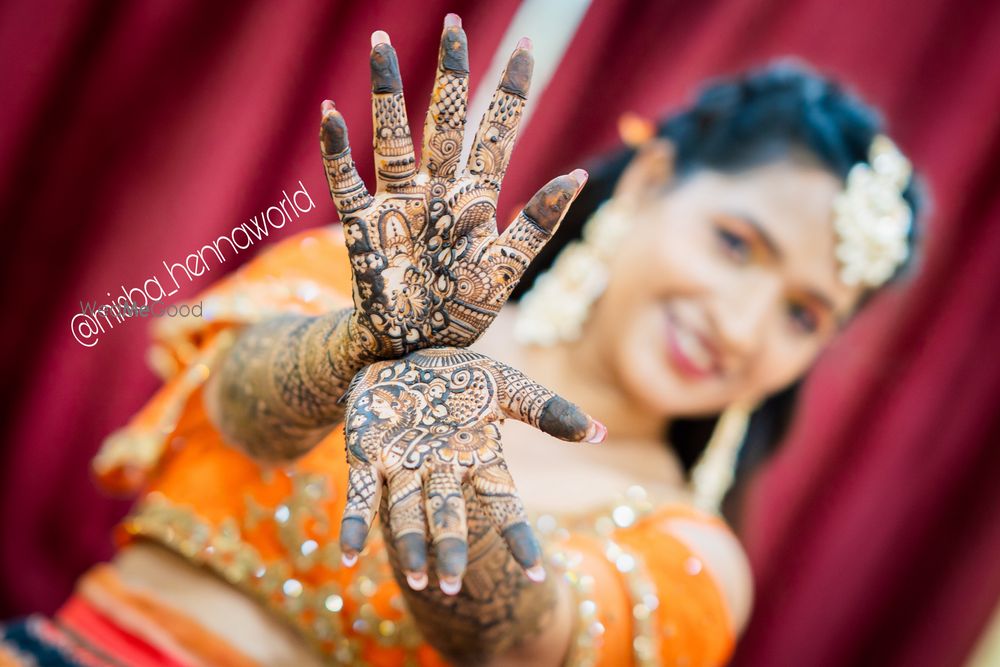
(276, 393)
(500, 616)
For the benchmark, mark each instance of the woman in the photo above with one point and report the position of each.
(718, 260)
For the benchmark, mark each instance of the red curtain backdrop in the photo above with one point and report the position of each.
(135, 132)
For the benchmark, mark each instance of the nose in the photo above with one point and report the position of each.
(741, 316)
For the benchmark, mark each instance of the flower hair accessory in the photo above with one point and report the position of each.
(558, 304)
(635, 130)
(871, 218)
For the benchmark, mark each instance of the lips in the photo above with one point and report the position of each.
(689, 352)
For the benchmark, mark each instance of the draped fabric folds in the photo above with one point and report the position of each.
(134, 133)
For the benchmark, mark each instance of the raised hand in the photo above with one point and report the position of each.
(426, 429)
(430, 268)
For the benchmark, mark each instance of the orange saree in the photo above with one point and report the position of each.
(642, 597)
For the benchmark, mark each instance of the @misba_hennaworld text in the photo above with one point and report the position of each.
(96, 319)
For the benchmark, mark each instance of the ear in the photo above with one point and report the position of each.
(650, 170)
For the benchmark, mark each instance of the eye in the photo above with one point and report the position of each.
(804, 319)
(733, 245)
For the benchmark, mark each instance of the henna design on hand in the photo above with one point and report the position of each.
(445, 123)
(497, 605)
(448, 525)
(494, 142)
(431, 422)
(276, 392)
(426, 427)
(429, 266)
(395, 161)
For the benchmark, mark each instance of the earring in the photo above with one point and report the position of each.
(556, 307)
(715, 470)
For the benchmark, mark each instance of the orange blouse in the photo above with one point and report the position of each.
(642, 596)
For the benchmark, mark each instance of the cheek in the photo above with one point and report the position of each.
(659, 264)
(647, 377)
(662, 258)
(636, 280)
(686, 257)
(784, 360)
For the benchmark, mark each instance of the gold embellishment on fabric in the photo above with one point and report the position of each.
(645, 639)
(589, 632)
(285, 585)
(588, 629)
(336, 620)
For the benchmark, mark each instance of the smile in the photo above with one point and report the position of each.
(689, 352)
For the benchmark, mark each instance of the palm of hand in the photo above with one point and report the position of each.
(426, 270)
(412, 417)
(429, 265)
(427, 428)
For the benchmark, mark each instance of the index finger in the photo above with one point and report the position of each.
(494, 142)
(346, 187)
(496, 490)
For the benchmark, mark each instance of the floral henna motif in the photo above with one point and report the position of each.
(428, 425)
(445, 124)
(494, 142)
(430, 268)
(431, 421)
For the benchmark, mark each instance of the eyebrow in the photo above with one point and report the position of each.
(762, 233)
(775, 252)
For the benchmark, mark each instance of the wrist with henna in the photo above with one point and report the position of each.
(276, 392)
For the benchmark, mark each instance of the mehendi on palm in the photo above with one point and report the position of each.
(427, 429)
(429, 265)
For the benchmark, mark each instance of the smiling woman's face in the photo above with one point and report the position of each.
(726, 289)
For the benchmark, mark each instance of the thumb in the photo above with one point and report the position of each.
(525, 400)
(566, 421)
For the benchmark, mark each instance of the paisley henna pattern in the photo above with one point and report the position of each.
(434, 418)
(429, 266)
(445, 124)
(494, 142)
(428, 424)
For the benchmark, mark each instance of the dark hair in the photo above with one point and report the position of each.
(732, 124)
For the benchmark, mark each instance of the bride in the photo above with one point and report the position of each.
(700, 272)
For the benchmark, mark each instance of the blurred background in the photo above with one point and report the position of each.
(135, 132)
